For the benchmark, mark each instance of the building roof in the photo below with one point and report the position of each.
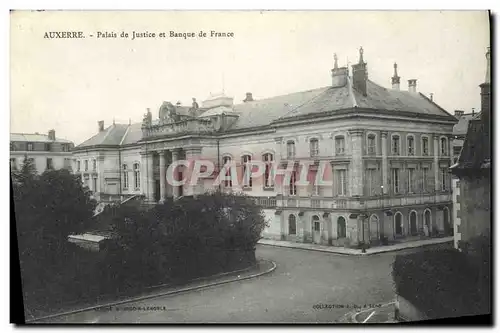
(29, 137)
(111, 136)
(460, 128)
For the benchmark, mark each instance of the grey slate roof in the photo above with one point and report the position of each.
(460, 128)
(28, 137)
(111, 136)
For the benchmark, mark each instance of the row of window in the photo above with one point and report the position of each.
(48, 163)
(341, 225)
(413, 185)
(371, 146)
(30, 146)
(86, 165)
(137, 176)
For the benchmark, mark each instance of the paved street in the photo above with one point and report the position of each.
(301, 281)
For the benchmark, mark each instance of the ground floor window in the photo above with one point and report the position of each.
(341, 227)
(292, 225)
(398, 224)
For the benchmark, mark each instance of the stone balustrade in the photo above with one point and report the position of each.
(187, 126)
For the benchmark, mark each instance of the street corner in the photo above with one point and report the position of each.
(377, 314)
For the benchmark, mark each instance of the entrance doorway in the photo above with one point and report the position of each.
(427, 223)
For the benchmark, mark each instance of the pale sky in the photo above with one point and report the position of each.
(70, 84)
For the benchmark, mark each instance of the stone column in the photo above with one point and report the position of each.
(162, 176)
(357, 162)
(193, 154)
(175, 189)
(436, 163)
(384, 162)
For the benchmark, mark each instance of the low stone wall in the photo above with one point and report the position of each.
(405, 311)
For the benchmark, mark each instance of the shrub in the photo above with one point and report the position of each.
(439, 283)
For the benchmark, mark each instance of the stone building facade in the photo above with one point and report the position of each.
(384, 155)
(46, 151)
(473, 170)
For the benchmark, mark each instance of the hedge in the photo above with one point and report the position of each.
(440, 283)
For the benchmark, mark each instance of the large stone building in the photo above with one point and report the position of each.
(473, 170)
(384, 152)
(46, 151)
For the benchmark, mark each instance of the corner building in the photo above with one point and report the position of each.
(386, 151)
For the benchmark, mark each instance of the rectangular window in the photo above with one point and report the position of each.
(13, 164)
(47, 147)
(30, 146)
(444, 177)
(444, 147)
(314, 147)
(371, 145)
(49, 164)
(125, 177)
(341, 183)
(395, 180)
(94, 184)
(425, 179)
(227, 165)
(425, 146)
(65, 147)
(411, 180)
(339, 145)
(94, 165)
(411, 146)
(86, 164)
(78, 166)
(395, 145)
(315, 187)
(268, 179)
(290, 149)
(137, 176)
(370, 182)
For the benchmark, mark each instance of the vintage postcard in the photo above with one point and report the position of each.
(273, 167)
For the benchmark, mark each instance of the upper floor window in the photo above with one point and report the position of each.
(425, 179)
(78, 166)
(47, 147)
(293, 185)
(65, 147)
(268, 160)
(425, 146)
(94, 165)
(49, 164)
(411, 180)
(247, 170)
(444, 178)
(395, 145)
(125, 176)
(444, 146)
(314, 147)
(30, 146)
(395, 180)
(137, 176)
(228, 182)
(290, 149)
(341, 181)
(86, 165)
(339, 145)
(411, 146)
(371, 144)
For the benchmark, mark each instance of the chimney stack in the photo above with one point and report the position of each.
(248, 98)
(339, 75)
(359, 74)
(486, 104)
(395, 78)
(412, 85)
(52, 135)
(459, 113)
(100, 124)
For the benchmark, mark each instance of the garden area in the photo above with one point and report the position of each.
(171, 243)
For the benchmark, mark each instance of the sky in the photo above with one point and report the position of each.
(70, 84)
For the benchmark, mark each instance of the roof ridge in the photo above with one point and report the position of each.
(284, 95)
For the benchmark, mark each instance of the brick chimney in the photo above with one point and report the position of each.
(100, 125)
(359, 74)
(248, 98)
(395, 78)
(459, 113)
(412, 85)
(485, 104)
(339, 75)
(52, 135)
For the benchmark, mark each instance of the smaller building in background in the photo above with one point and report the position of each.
(46, 151)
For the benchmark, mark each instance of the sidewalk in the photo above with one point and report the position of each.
(260, 268)
(346, 251)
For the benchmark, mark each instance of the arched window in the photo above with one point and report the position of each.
(428, 222)
(315, 223)
(341, 227)
(339, 145)
(413, 223)
(125, 176)
(268, 179)
(411, 145)
(137, 176)
(78, 166)
(292, 225)
(371, 146)
(228, 182)
(247, 170)
(395, 145)
(398, 224)
(444, 146)
(314, 147)
(290, 149)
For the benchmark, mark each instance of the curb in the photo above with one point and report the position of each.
(359, 254)
(167, 293)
